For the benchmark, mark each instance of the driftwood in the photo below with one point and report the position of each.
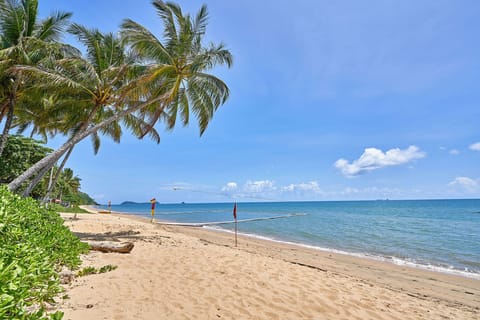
(104, 246)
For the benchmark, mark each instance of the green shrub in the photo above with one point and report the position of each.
(34, 244)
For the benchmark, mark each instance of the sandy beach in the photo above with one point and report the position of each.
(193, 273)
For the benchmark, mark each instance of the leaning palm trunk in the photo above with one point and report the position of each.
(44, 171)
(57, 154)
(37, 179)
(57, 175)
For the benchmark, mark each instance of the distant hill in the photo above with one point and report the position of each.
(85, 198)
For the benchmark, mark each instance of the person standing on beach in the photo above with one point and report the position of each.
(153, 201)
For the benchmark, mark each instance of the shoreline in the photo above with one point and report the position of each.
(390, 260)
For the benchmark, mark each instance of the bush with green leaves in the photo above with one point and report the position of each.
(34, 244)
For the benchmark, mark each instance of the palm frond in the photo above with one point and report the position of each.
(95, 142)
(30, 8)
(165, 13)
(51, 28)
(91, 39)
(12, 22)
(200, 22)
(144, 42)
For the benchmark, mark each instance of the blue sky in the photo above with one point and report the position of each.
(330, 100)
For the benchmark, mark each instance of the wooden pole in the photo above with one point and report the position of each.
(235, 217)
(235, 232)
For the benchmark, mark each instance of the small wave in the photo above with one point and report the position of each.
(211, 223)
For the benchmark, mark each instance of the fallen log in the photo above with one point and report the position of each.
(103, 246)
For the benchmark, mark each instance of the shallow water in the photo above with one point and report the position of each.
(437, 234)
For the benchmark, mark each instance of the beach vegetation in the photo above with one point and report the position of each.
(68, 209)
(21, 152)
(34, 245)
(107, 268)
(92, 270)
(18, 155)
(86, 271)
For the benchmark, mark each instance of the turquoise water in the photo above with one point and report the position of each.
(442, 235)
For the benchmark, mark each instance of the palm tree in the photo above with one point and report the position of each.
(90, 87)
(178, 64)
(174, 80)
(68, 184)
(24, 41)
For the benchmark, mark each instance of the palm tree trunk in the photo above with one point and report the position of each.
(54, 156)
(39, 176)
(8, 124)
(36, 180)
(44, 171)
(57, 175)
(11, 105)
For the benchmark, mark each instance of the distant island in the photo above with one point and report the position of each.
(129, 203)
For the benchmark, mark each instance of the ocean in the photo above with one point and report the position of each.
(440, 235)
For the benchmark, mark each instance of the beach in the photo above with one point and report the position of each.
(193, 273)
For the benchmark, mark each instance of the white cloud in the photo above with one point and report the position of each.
(373, 158)
(259, 186)
(311, 186)
(466, 183)
(454, 152)
(231, 186)
(475, 146)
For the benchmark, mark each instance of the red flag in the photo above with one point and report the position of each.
(235, 211)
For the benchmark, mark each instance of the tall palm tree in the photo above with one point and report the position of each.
(173, 80)
(178, 65)
(24, 41)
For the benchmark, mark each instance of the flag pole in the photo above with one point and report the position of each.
(235, 217)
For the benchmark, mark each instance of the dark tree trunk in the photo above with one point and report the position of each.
(6, 128)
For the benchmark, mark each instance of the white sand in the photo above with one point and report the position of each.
(189, 273)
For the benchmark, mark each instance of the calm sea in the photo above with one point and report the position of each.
(441, 235)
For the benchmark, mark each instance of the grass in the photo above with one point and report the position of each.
(59, 208)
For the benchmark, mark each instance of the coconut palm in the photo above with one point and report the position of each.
(178, 65)
(173, 81)
(67, 185)
(85, 90)
(24, 41)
